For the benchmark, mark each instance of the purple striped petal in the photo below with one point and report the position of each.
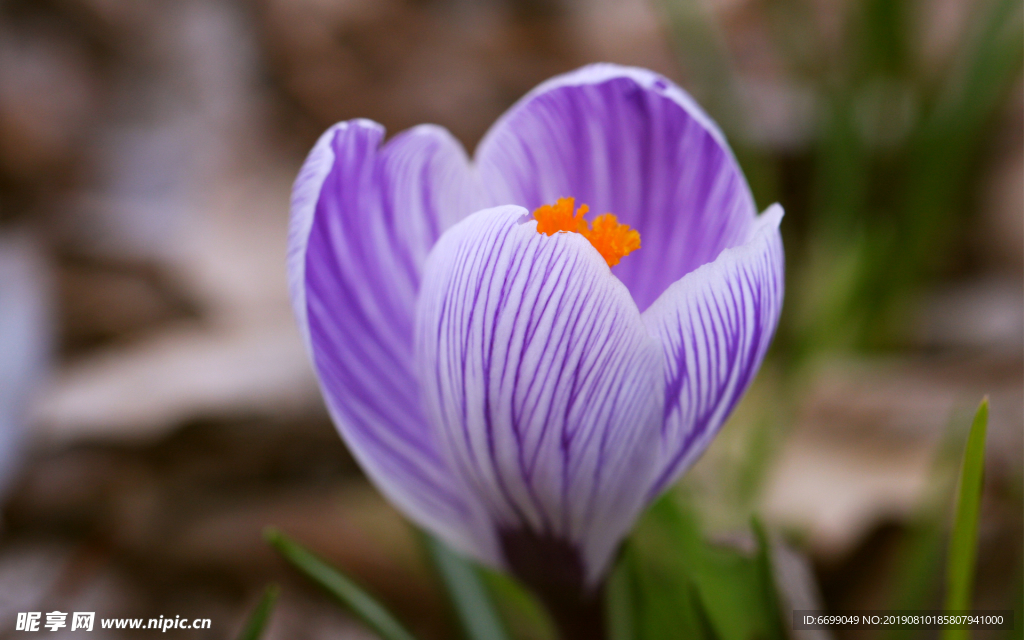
(542, 382)
(715, 326)
(364, 218)
(625, 141)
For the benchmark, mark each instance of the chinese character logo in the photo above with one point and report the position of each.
(83, 620)
(56, 620)
(28, 621)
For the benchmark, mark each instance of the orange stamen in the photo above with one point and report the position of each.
(611, 239)
(559, 217)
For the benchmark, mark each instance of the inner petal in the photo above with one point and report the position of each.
(612, 240)
(628, 141)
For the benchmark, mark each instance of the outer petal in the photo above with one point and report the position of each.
(628, 141)
(363, 221)
(715, 326)
(541, 379)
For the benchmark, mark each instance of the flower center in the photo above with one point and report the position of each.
(611, 239)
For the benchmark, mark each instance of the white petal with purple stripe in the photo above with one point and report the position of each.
(364, 218)
(715, 325)
(541, 380)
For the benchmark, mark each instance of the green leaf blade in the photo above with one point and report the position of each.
(776, 625)
(620, 599)
(672, 582)
(964, 540)
(475, 610)
(347, 591)
(257, 622)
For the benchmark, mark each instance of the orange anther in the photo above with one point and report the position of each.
(560, 217)
(611, 239)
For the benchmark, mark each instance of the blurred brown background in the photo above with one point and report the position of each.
(157, 410)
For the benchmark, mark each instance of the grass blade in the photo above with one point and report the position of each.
(257, 622)
(672, 582)
(706, 629)
(619, 599)
(362, 604)
(964, 540)
(917, 573)
(766, 577)
(522, 613)
(468, 594)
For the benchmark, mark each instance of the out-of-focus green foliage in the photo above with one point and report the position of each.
(895, 157)
(469, 596)
(918, 575)
(880, 189)
(671, 583)
(963, 544)
(373, 614)
(917, 571)
(1018, 607)
(522, 613)
(257, 622)
(886, 180)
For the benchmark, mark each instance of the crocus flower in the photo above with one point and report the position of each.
(497, 378)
